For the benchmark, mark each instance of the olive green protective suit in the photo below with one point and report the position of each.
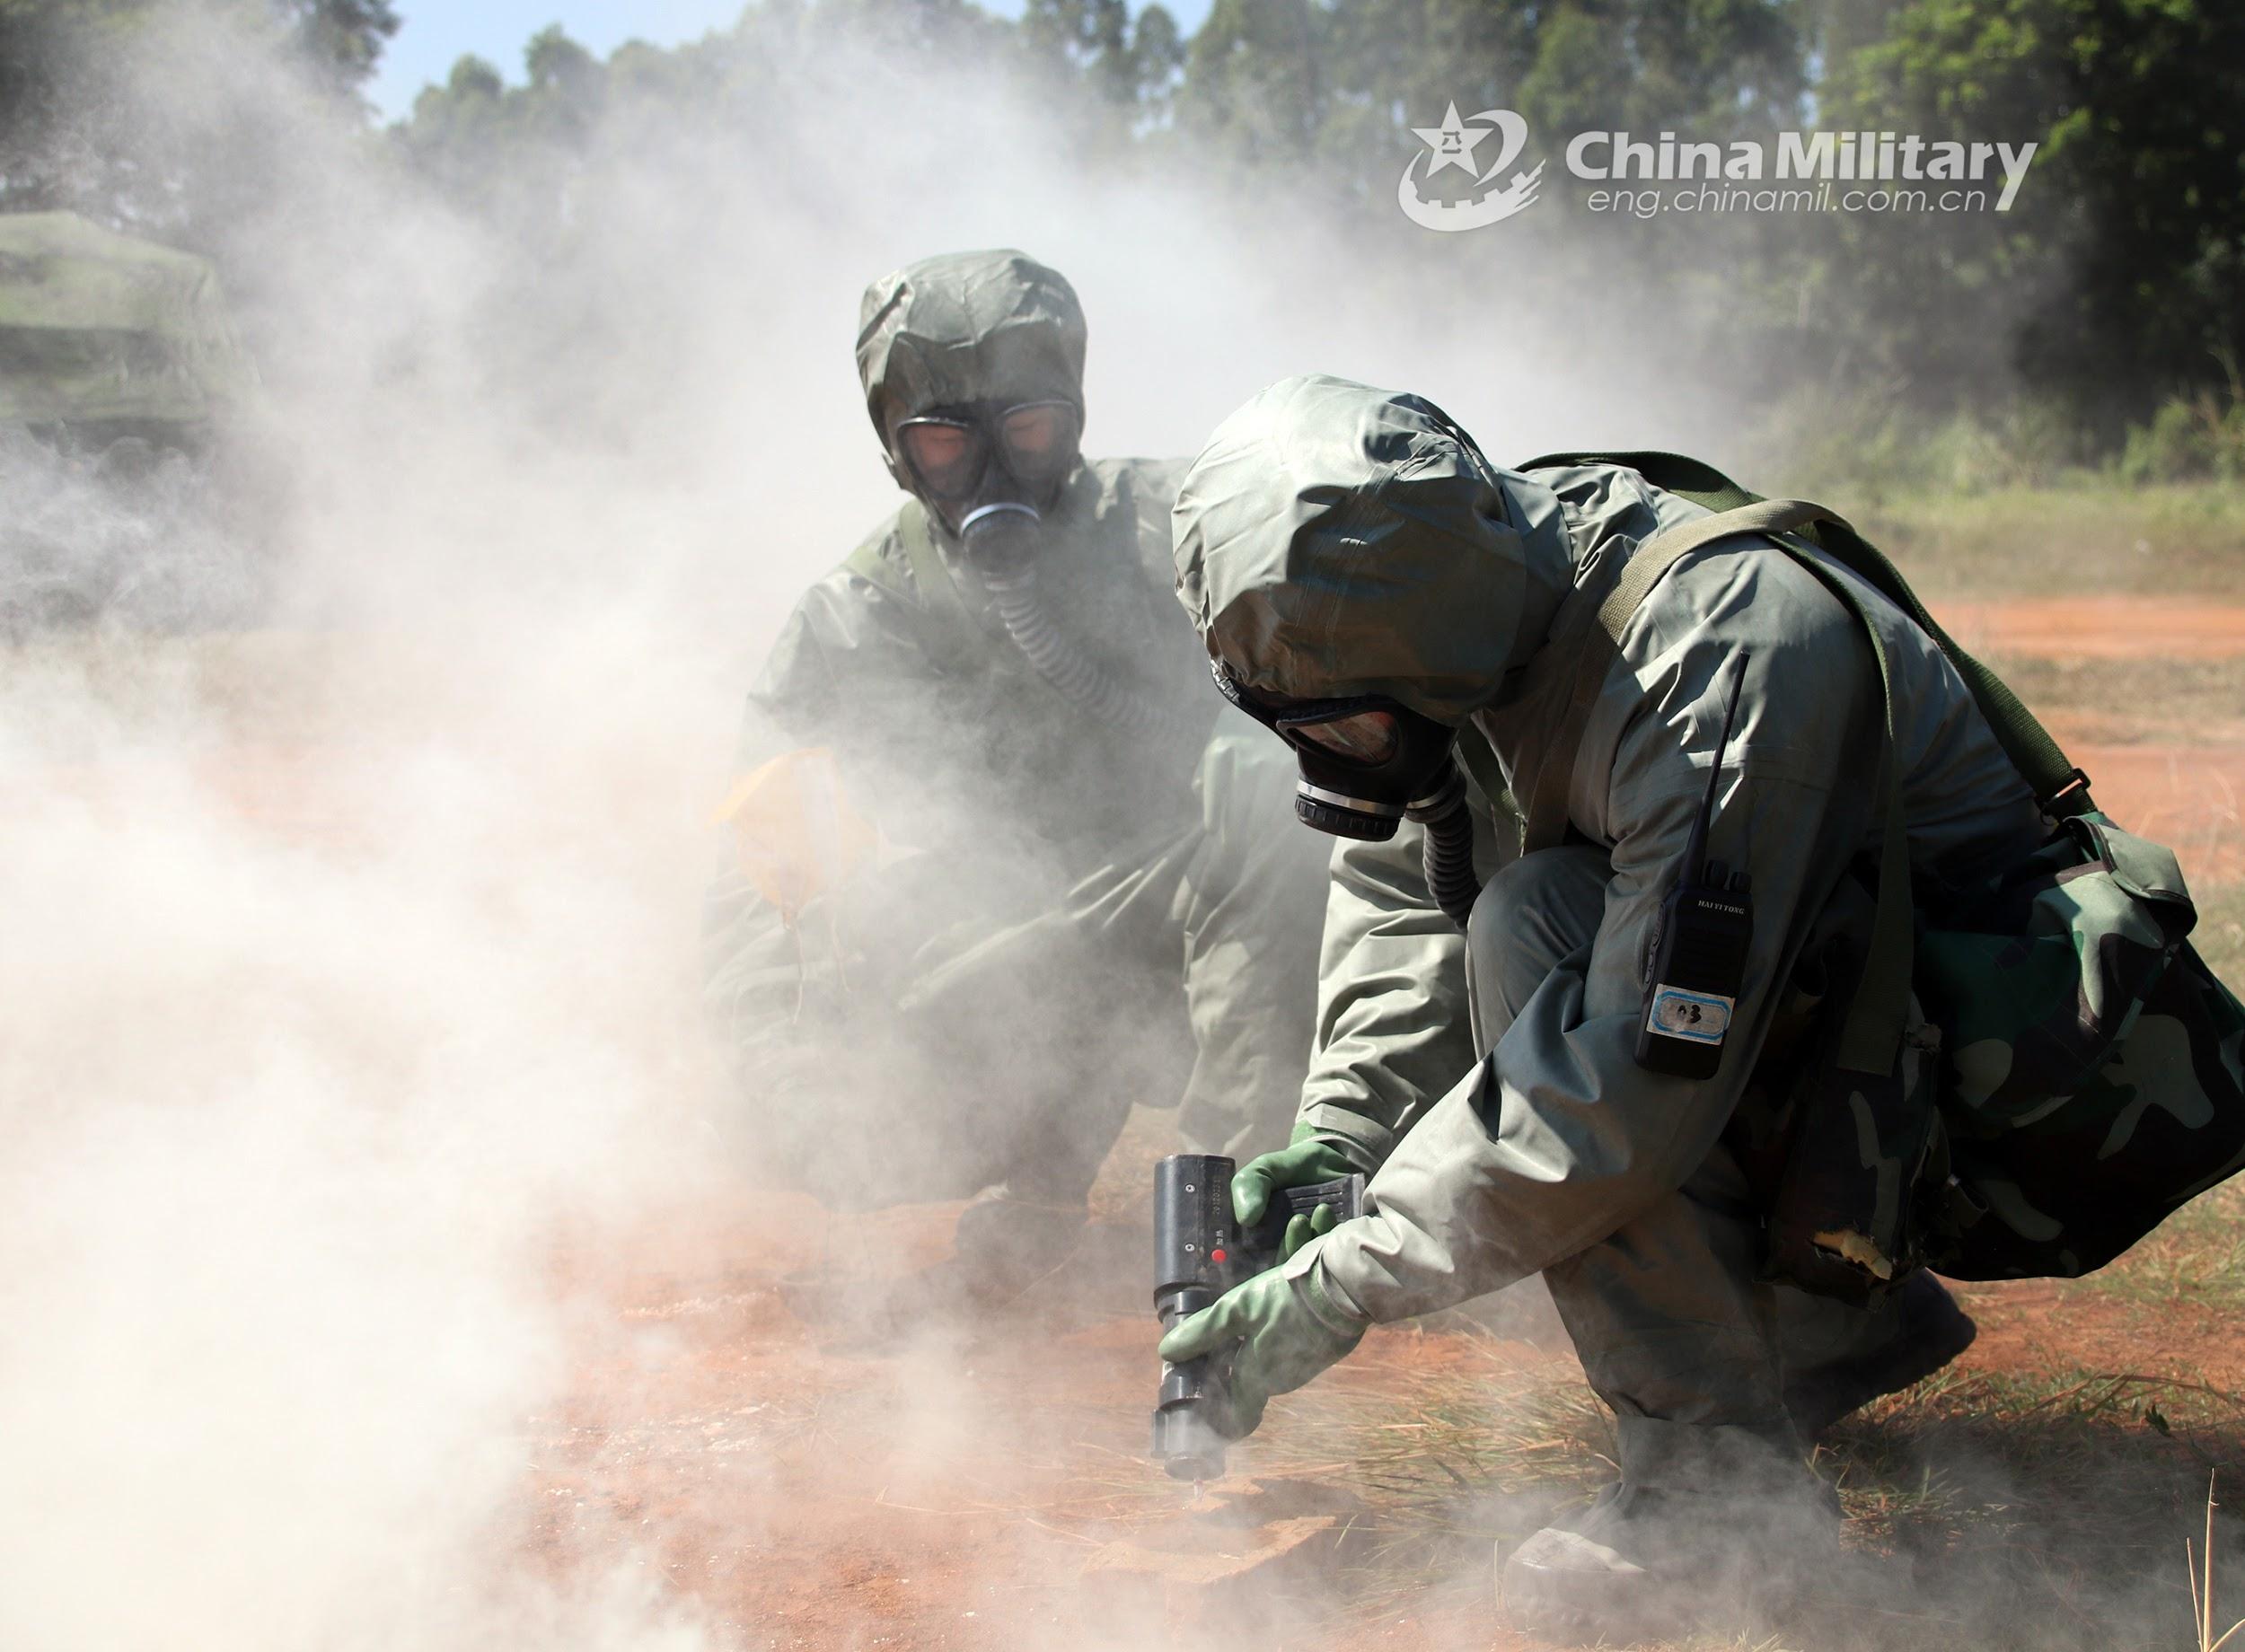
(1335, 540)
(1071, 915)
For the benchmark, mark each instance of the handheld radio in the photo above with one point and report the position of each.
(1700, 942)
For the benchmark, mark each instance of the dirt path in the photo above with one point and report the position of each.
(2103, 628)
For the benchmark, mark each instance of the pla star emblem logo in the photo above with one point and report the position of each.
(1452, 143)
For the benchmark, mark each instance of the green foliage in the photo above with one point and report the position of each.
(1127, 64)
(44, 46)
(1331, 88)
(1973, 351)
(1873, 446)
(2083, 534)
(2190, 438)
(1252, 81)
(341, 39)
(2125, 260)
(2112, 284)
(75, 134)
(1721, 69)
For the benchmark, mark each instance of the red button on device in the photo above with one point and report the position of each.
(1216, 1256)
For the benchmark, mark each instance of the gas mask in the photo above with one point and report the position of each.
(992, 468)
(1368, 764)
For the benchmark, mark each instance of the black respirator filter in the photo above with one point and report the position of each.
(1000, 539)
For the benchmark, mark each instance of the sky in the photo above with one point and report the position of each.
(435, 34)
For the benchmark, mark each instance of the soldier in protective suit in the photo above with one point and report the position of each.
(1075, 905)
(1377, 592)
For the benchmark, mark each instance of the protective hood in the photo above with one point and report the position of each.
(1336, 539)
(965, 326)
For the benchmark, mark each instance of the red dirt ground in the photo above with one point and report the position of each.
(806, 1496)
(2188, 797)
(810, 1496)
(2103, 628)
(947, 1497)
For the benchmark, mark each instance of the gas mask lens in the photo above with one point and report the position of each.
(1039, 441)
(1366, 760)
(947, 454)
(1366, 737)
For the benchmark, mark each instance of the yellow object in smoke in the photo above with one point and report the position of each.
(795, 831)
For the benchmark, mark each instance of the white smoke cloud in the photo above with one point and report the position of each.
(348, 964)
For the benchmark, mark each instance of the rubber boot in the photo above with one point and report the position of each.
(1006, 1243)
(1649, 1566)
(1003, 1247)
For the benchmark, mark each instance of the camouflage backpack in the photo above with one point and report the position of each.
(2077, 1072)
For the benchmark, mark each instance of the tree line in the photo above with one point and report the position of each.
(2113, 288)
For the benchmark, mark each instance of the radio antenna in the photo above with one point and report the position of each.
(1696, 847)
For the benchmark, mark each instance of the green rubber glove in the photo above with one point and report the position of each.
(1301, 1228)
(1282, 1328)
(1303, 1163)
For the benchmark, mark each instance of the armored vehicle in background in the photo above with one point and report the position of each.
(119, 375)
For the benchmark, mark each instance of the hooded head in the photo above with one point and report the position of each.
(965, 335)
(1336, 541)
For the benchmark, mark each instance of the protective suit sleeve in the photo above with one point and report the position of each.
(1393, 1028)
(848, 671)
(851, 670)
(1557, 1137)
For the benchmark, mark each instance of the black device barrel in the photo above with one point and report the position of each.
(1193, 1236)
(1192, 1222)
(1200, 1253)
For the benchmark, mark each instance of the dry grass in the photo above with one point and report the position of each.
(2200, 1566)
(1449, 1459)
(2220, 936)
(2077, 539)
(2012, 1512)
(2195, 1259)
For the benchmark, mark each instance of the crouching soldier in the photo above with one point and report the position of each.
(1002, 872)
(1733, 759)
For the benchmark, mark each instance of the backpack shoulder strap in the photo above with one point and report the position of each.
(1544, 809)
(1871, 1039)
(2060, 788)
(949, 633)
